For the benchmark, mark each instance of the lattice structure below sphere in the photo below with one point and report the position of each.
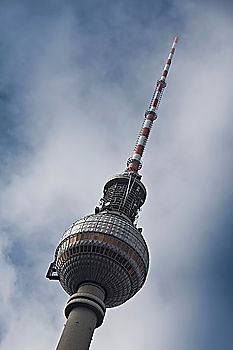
(107, 249)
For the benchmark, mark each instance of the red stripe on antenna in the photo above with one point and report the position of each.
(145, 132)
(139, 149)
(150, 116)
(155, 103)
(160, 87)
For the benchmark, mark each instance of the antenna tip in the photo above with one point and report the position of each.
(176, 39)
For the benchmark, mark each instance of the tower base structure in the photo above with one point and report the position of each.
(85, 311)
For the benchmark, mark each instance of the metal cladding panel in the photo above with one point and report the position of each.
(106, 249)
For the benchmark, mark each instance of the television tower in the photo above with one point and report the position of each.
(102, 260)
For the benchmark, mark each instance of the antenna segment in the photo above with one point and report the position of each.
(134, 163)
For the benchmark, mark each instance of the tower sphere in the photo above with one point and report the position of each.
(106, 248)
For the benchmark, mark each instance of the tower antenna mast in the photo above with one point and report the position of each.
(134, 163)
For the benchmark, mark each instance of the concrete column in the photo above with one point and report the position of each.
(85, 311)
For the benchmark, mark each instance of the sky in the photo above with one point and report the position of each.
(75, 80)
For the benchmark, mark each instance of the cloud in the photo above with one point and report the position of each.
(77, 83)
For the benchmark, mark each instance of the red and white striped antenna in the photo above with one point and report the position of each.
(134, 163)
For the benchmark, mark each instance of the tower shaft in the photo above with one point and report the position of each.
(84, 311)
(78, 331)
